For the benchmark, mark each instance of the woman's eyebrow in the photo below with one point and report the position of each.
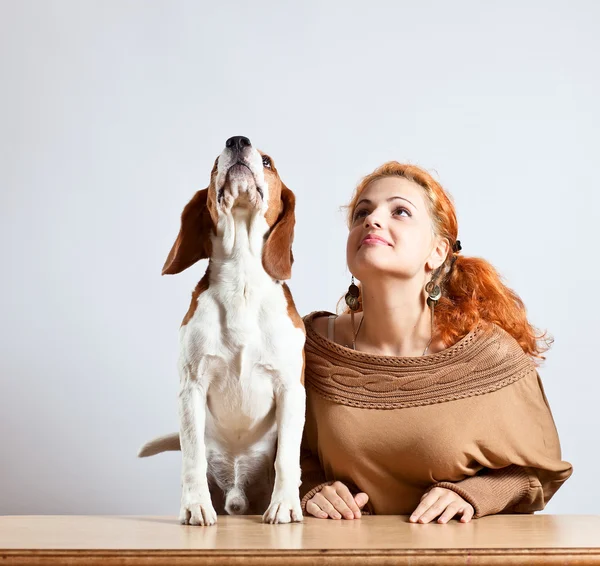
(367, 201)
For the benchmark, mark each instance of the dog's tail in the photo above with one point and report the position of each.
(160, 444)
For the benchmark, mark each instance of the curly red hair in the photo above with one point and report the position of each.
(472, 289)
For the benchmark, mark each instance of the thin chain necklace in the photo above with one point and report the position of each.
(355, 332)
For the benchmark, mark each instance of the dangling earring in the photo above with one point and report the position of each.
(352, 296)
(353, 304)
(434, 293)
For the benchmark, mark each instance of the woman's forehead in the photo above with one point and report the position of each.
(386, 187)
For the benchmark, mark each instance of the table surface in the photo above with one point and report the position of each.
(497, 539)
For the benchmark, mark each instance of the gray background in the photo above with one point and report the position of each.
(111, 114)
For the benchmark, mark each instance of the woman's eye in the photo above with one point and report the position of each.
(360, 214)
(266, 161)
(400, 209)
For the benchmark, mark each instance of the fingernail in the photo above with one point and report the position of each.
(337, 516)
(349, 516)
(357, 514)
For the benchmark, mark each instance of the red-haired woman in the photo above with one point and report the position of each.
(423, 398)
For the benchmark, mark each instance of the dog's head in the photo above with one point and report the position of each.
(242, 178)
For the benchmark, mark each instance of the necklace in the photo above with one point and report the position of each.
(355, 332)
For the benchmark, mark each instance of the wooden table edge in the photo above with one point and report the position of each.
(258, 557)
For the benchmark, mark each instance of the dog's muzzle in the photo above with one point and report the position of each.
(239, 155)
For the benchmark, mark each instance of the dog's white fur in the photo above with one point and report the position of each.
(241, 398)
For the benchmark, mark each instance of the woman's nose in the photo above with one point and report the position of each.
(372, 221)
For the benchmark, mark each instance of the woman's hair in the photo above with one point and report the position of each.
(472, 289)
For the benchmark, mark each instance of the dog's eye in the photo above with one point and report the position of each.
(267, 161)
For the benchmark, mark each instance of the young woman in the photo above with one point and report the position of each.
(423, 398)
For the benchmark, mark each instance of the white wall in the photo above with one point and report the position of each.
(111, 114)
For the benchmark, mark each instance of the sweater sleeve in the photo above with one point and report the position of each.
(492, 491)
(518, 465)
(313, 477)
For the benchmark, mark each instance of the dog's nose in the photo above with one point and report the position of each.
(237, 143)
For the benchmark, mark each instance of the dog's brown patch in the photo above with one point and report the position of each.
(296, 320)
(200, 288)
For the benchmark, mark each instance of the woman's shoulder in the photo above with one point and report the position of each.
(502, 340)
(318, 321)
(333, 327)
(491, 348)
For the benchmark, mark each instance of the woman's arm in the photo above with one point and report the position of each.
(313, 476)
(491, 491)
(518, 457)
(323, 498)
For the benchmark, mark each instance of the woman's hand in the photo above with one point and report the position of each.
(335, 501)
(443, 503)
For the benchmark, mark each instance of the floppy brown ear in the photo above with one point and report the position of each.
(277, 255)
(193, 241)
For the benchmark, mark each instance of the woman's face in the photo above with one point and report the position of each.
(392, 232)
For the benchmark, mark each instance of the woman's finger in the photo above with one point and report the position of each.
(348, 498)
(325, 504)
(361, 499)
(437, 491)
(425, 504)
(467, 514)
(315, 510)
(450, 512)
(337, 502)
(434, 510)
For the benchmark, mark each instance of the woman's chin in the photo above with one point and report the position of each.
(369, 266)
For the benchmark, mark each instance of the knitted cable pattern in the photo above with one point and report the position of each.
(484, 360)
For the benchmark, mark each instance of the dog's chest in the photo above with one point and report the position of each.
(240, 339)
(240, 374)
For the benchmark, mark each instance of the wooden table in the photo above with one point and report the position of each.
(130, 540)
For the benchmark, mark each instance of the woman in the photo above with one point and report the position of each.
(423, 398)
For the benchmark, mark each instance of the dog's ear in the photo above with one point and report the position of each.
(277, 255)
(193, 241)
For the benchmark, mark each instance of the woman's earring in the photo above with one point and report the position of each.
(434, 292)
(352, 296)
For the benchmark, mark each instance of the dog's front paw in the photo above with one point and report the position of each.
(197, 511)
(284, 508)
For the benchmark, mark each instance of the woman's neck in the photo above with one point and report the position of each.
(396, 319)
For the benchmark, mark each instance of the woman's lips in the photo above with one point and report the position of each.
(373, 240)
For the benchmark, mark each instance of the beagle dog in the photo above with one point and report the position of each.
(241, 360)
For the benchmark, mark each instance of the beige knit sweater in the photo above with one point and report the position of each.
(472, 418)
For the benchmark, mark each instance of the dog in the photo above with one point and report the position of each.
(241, 360)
